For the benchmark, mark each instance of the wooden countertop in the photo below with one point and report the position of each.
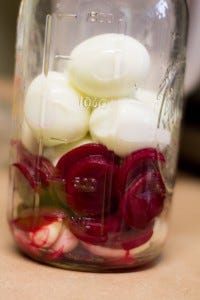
(175, 276)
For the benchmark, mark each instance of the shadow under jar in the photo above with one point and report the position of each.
(97, 111)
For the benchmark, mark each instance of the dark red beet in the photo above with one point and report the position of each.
(23, 154)
(95, 230)
(45, 169)
(144, 200)
(36, 169)
(29, 173)
(109, 232)
(89, 186)
(135, 239)
(31, 220)
(89, 150)
(138, 163)
(89, 173)
(128, 238)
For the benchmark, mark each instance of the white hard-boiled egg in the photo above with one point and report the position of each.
(108, 65)
(55, 153)
(27, 138)
(53, 111)
(46, 235)
(127, 125)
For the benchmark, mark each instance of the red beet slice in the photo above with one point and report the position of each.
(134, 239)
(94, 230)
(28, 173)
(144, 200)
(89, 173)
(31, 220)
(138, 163)
(89, 186)
(22, 153)
(128, 238)
(45, 169)
(89, 150)
(109, 232)
(36, 169)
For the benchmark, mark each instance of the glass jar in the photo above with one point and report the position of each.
(97, 111)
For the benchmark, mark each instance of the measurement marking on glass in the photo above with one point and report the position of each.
(47, 44)
(65, 57)
(67, 16)
(45, 70)
(46, 58)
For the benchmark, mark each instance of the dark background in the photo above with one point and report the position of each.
(8, 15)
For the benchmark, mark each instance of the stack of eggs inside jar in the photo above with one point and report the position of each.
(100, 133)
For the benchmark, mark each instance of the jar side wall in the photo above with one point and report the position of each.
(96, 197)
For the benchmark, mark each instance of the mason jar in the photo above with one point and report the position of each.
(96, 121)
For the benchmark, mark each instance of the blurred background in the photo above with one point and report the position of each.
(190, 137)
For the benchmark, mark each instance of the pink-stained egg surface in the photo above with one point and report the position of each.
(65, 243)
(44, 234)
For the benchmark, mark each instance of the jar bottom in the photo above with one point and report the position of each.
(145, 259)
(87, 257)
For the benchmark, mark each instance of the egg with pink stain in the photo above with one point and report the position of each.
(44, 234)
